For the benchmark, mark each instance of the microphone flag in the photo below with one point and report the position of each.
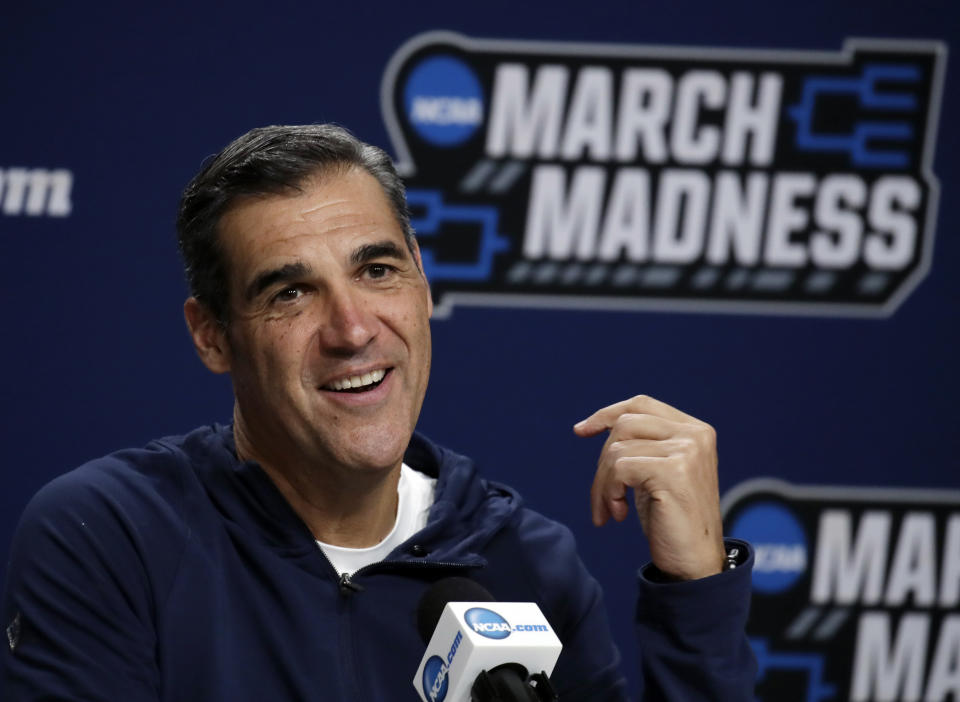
(471, 637)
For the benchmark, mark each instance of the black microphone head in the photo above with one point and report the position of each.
(455, 589)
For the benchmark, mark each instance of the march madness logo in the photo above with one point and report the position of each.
(668, 178)
(855, 591)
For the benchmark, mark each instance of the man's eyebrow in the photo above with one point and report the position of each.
(264, 280)
(380, 249)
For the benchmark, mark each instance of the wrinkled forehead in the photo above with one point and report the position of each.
(322, 175)
(267, 189)
(329, 205)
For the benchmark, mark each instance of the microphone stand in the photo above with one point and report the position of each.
(510, 683)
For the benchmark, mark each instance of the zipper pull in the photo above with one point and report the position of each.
(347, 586)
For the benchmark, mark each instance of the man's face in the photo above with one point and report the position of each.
(329, 338)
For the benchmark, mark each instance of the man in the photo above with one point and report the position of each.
(283, 557)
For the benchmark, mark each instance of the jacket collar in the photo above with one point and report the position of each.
(467, 511)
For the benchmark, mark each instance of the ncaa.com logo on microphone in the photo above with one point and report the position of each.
(435, 679)
(488, 623)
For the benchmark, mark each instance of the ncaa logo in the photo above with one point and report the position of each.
(487, 623)
(780, 545)
(444, 100)
(434, 679)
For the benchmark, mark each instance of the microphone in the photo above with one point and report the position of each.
(480, 650)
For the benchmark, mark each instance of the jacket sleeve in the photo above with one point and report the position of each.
(692, 639)
(78, 605)
(691, 635)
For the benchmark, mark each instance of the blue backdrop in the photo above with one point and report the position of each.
(129, 100)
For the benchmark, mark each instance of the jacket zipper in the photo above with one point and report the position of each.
(347, 585)
(347, 588)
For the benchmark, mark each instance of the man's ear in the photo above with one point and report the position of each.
(416, 255)
(209, 336)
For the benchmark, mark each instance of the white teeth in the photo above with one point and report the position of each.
(357, 381)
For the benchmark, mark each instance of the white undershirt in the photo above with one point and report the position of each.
(415, 492)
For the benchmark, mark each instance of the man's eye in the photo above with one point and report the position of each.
(287, 294)
(379, 270)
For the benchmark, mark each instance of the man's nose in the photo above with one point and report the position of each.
(350, 323)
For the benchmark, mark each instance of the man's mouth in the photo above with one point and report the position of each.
(358, 383)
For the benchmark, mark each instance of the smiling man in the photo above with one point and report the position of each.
(283, 556)
(328, 346)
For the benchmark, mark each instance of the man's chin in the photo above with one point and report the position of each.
(370, 453)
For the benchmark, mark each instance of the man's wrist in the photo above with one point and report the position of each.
(735, 554)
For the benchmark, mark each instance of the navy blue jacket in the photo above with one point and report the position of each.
(176, 572)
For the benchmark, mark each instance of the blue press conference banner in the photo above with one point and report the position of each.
(746, 210)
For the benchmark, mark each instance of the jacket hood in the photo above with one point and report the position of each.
(467, 510)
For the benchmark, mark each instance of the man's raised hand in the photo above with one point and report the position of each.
(670, 460)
